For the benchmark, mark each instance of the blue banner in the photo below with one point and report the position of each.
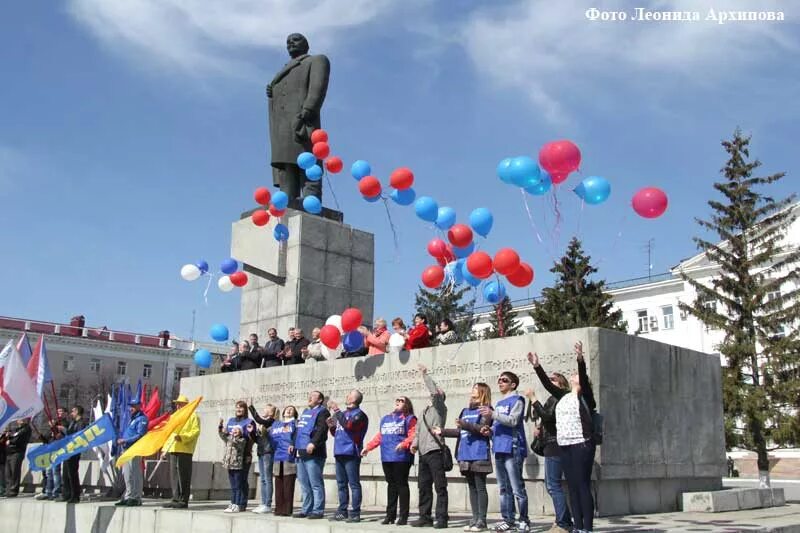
(55, 453)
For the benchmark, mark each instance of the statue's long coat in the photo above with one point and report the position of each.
(301, 84)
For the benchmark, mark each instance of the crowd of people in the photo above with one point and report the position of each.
(297, 348)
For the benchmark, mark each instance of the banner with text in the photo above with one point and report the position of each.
(55, 453)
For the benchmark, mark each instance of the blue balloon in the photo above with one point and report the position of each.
(445, 218)
(306, 160)
(202, 358)
(219, 332)
(542, 186)
(494, 292)
(504, 170)
(372, 199)
(593, 190)
(481, 221)
(404, 197)
(229, 266)
(452, 273)
(524, 171)
(312, 205)
(202, 265)
(281, 232)
(314, 173)
(353, 341)
(360, 169)
(471, 280)
(461, 253)
(280, 200)
(426, 208)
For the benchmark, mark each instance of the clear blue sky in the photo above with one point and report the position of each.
(133, 133)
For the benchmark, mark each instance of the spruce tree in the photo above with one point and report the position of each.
(503, 321)
(754, 302)
(447, 302)
(575, 301)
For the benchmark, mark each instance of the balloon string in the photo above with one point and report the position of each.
(333, 193)
(208, 286)
(392, 226)
(580, 217)
(530, 216)
(557, 212)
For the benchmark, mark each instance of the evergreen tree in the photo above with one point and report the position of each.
(575, 301)
(447, 302)
(503, 320)
(754, 302)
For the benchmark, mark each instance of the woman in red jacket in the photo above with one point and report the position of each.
(419, 336)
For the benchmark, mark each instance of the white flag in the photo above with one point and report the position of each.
(18, 398)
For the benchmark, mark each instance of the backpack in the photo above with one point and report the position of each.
(597, 424)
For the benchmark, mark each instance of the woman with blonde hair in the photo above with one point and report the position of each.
(265, 454)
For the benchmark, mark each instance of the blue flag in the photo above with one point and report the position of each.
(55, 453)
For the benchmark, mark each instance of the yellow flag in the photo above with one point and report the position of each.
(153, 440)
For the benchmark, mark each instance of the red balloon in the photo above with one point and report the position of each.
(437, 247)
(449, 254)
(351, 319)
(559, 158)
(401, 178)
(260, 217)
(460, 235)
(262, 196)
(369, 186)
(522, 277)
(239, 279)
(479, 265)
(321, 150)
(506, 261)
(334, 164)
(330, 336)
(442, 261)
(319, 136)
(433, 276)
(650, 202)
(277, 213)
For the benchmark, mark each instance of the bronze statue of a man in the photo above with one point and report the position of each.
(295, 99)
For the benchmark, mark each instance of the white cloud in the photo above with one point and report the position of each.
(552, 52)
(208, 36)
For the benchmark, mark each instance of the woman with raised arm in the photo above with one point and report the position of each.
(575, 436)
(282, 435)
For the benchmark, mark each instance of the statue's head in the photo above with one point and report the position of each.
(296, 45)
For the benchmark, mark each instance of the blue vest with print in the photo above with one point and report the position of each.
(471, 446)
(346, 443)
(242, 423)
(305, 426)
(280, 436)
(394, 430)
(507, 439)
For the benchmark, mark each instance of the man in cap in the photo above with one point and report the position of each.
(180, 447)
(132, 470)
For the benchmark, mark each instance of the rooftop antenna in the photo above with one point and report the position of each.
(191, 336)
(650, 246)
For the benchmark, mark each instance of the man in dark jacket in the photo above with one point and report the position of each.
(3, 439)
(253, 357)
(310, 439)
(295, 347)
(72, 482)
(272, 348)
(18, 440)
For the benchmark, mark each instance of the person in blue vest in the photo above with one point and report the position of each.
(248, 427)
(510, 451)
(281, 436)
(310, 439)
(473, 452)
(132, 470)
(395, 438)
(348, 427)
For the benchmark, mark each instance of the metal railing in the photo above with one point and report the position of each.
(94, 333)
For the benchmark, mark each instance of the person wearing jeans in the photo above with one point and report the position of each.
(52, 476)
(266, 457)
(510, 451)
(233, 461)
(349, 428)
(310, 439)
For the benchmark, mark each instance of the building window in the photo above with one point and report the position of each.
(179, 373)
(65, 393)
(147, 371)
(122, 368)
(643, 320)
(94, 366)
(201, 372)
(69, 363)
(669, 318)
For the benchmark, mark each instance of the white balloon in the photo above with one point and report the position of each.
(225, 284)
(331, 353)
(397, 341)
(190, 272)
(335, 320)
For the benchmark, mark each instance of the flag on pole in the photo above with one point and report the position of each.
(18, 398)
(39, 367)
(24, 349)
(153, 440)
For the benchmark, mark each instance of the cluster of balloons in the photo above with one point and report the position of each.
(230, 268)
(312, 163)
(273, 204)
(341, 331)
(191, 272)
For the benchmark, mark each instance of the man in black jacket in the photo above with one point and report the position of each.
(253, 357)
(295, 347)
(18, 440)
(272, 348)
(71, 490)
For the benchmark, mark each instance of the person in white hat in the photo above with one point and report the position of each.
(180, 447)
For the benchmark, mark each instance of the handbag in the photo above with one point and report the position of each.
(447, 455)
(537, 445)
(597, 424)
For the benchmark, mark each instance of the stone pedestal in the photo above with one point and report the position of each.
(324, 268)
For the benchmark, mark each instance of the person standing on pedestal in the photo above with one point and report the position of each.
(349, 427)
(296, 95)
(247, 426)
(265, 453)
(312, 434)
(52, 486)
(16, 443)
(132, 470)
(71, 478)
(272, 348)
(282, 435)
(180, 447)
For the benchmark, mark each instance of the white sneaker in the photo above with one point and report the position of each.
(42, 496)
(261, 509)
(229, 509)
(236, 509)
